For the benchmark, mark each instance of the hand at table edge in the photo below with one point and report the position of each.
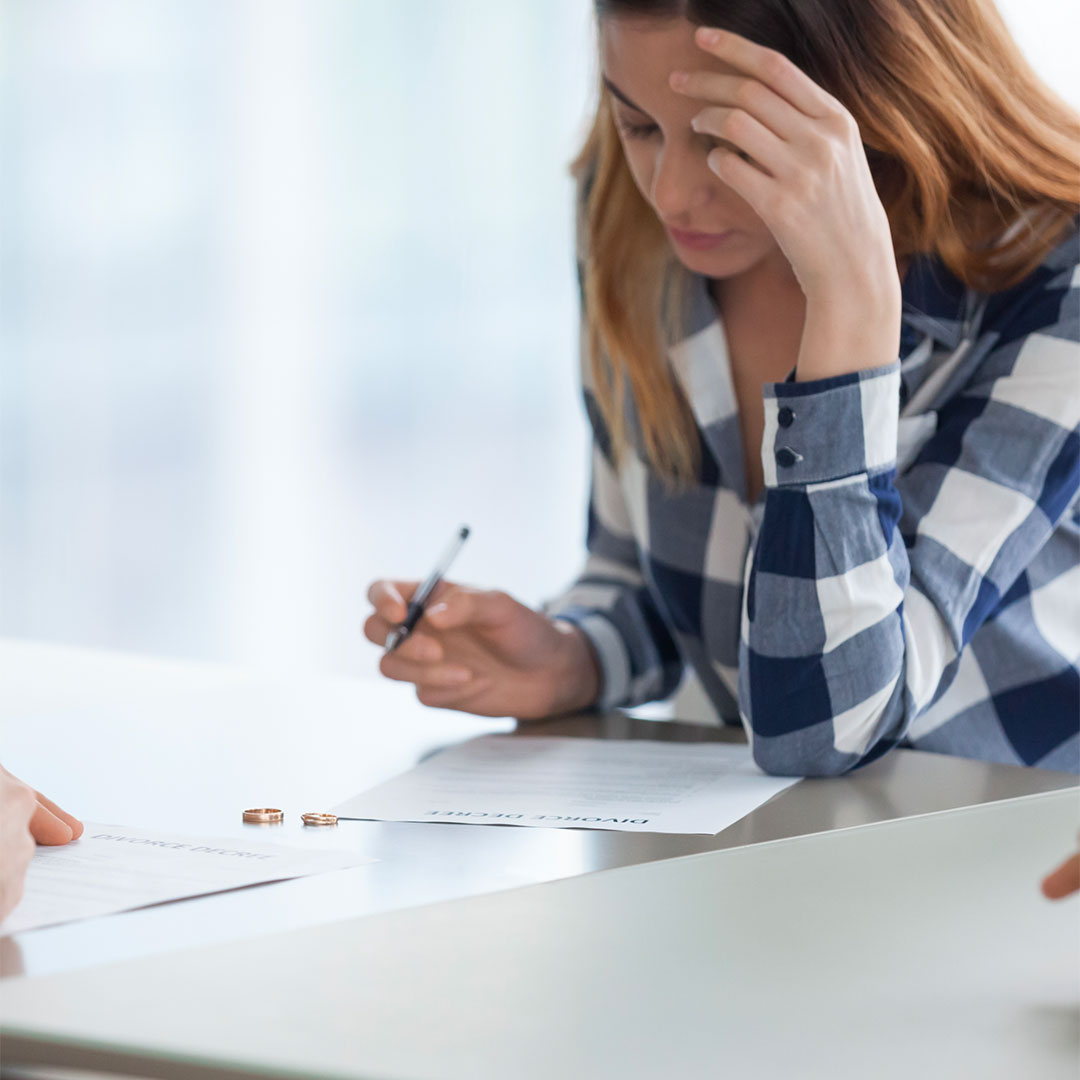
(1064, 880)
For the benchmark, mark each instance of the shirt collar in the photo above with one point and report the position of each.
(933, 300)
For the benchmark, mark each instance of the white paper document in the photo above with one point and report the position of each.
(115, 868)
(556, 782)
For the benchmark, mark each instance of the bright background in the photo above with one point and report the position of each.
(286, 294)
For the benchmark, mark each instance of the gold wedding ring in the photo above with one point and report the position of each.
(264, 815)
(314, 818)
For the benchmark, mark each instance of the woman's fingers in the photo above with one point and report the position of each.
(375, 629)
(450, 608)
(434, 676)
(463, 697)
(745, 134)
(463, 607)
(422, 648)
(770, 67)
(417, 646)
(450, 665)
(389, 598)
(47, 828)
(734, 92)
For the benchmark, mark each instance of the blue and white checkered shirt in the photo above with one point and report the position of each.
(911, 572)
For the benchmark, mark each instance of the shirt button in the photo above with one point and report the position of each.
(785, 417)
(786, 457)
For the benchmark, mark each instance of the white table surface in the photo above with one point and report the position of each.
(181, 747)
(912, 948)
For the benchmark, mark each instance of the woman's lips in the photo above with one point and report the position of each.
(698, 241)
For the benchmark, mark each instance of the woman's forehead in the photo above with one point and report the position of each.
(641, 53)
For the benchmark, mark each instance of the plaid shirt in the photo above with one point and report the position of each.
(911, 572)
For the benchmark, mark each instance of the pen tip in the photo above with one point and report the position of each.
(464, 533)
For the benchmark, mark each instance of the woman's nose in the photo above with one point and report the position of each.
(681, 183)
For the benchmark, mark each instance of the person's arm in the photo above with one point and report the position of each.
(849, 632)
(611, 603)
(602, 642)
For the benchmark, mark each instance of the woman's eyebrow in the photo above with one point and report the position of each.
(622, 97)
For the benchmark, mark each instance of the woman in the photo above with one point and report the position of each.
(847, 494)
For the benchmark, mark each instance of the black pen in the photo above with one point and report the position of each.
(416, 605)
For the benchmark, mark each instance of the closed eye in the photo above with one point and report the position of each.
(634, 130)
(637, 131)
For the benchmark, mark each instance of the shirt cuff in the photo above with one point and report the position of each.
(827, 429)
(610, 651)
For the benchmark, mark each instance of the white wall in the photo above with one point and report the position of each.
(286, 293)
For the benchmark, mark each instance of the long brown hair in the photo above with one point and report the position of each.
(963, 140)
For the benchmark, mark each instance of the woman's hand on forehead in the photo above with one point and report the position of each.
(808, 180)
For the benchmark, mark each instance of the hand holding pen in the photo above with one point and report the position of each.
(479, 650)
(421, 596)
